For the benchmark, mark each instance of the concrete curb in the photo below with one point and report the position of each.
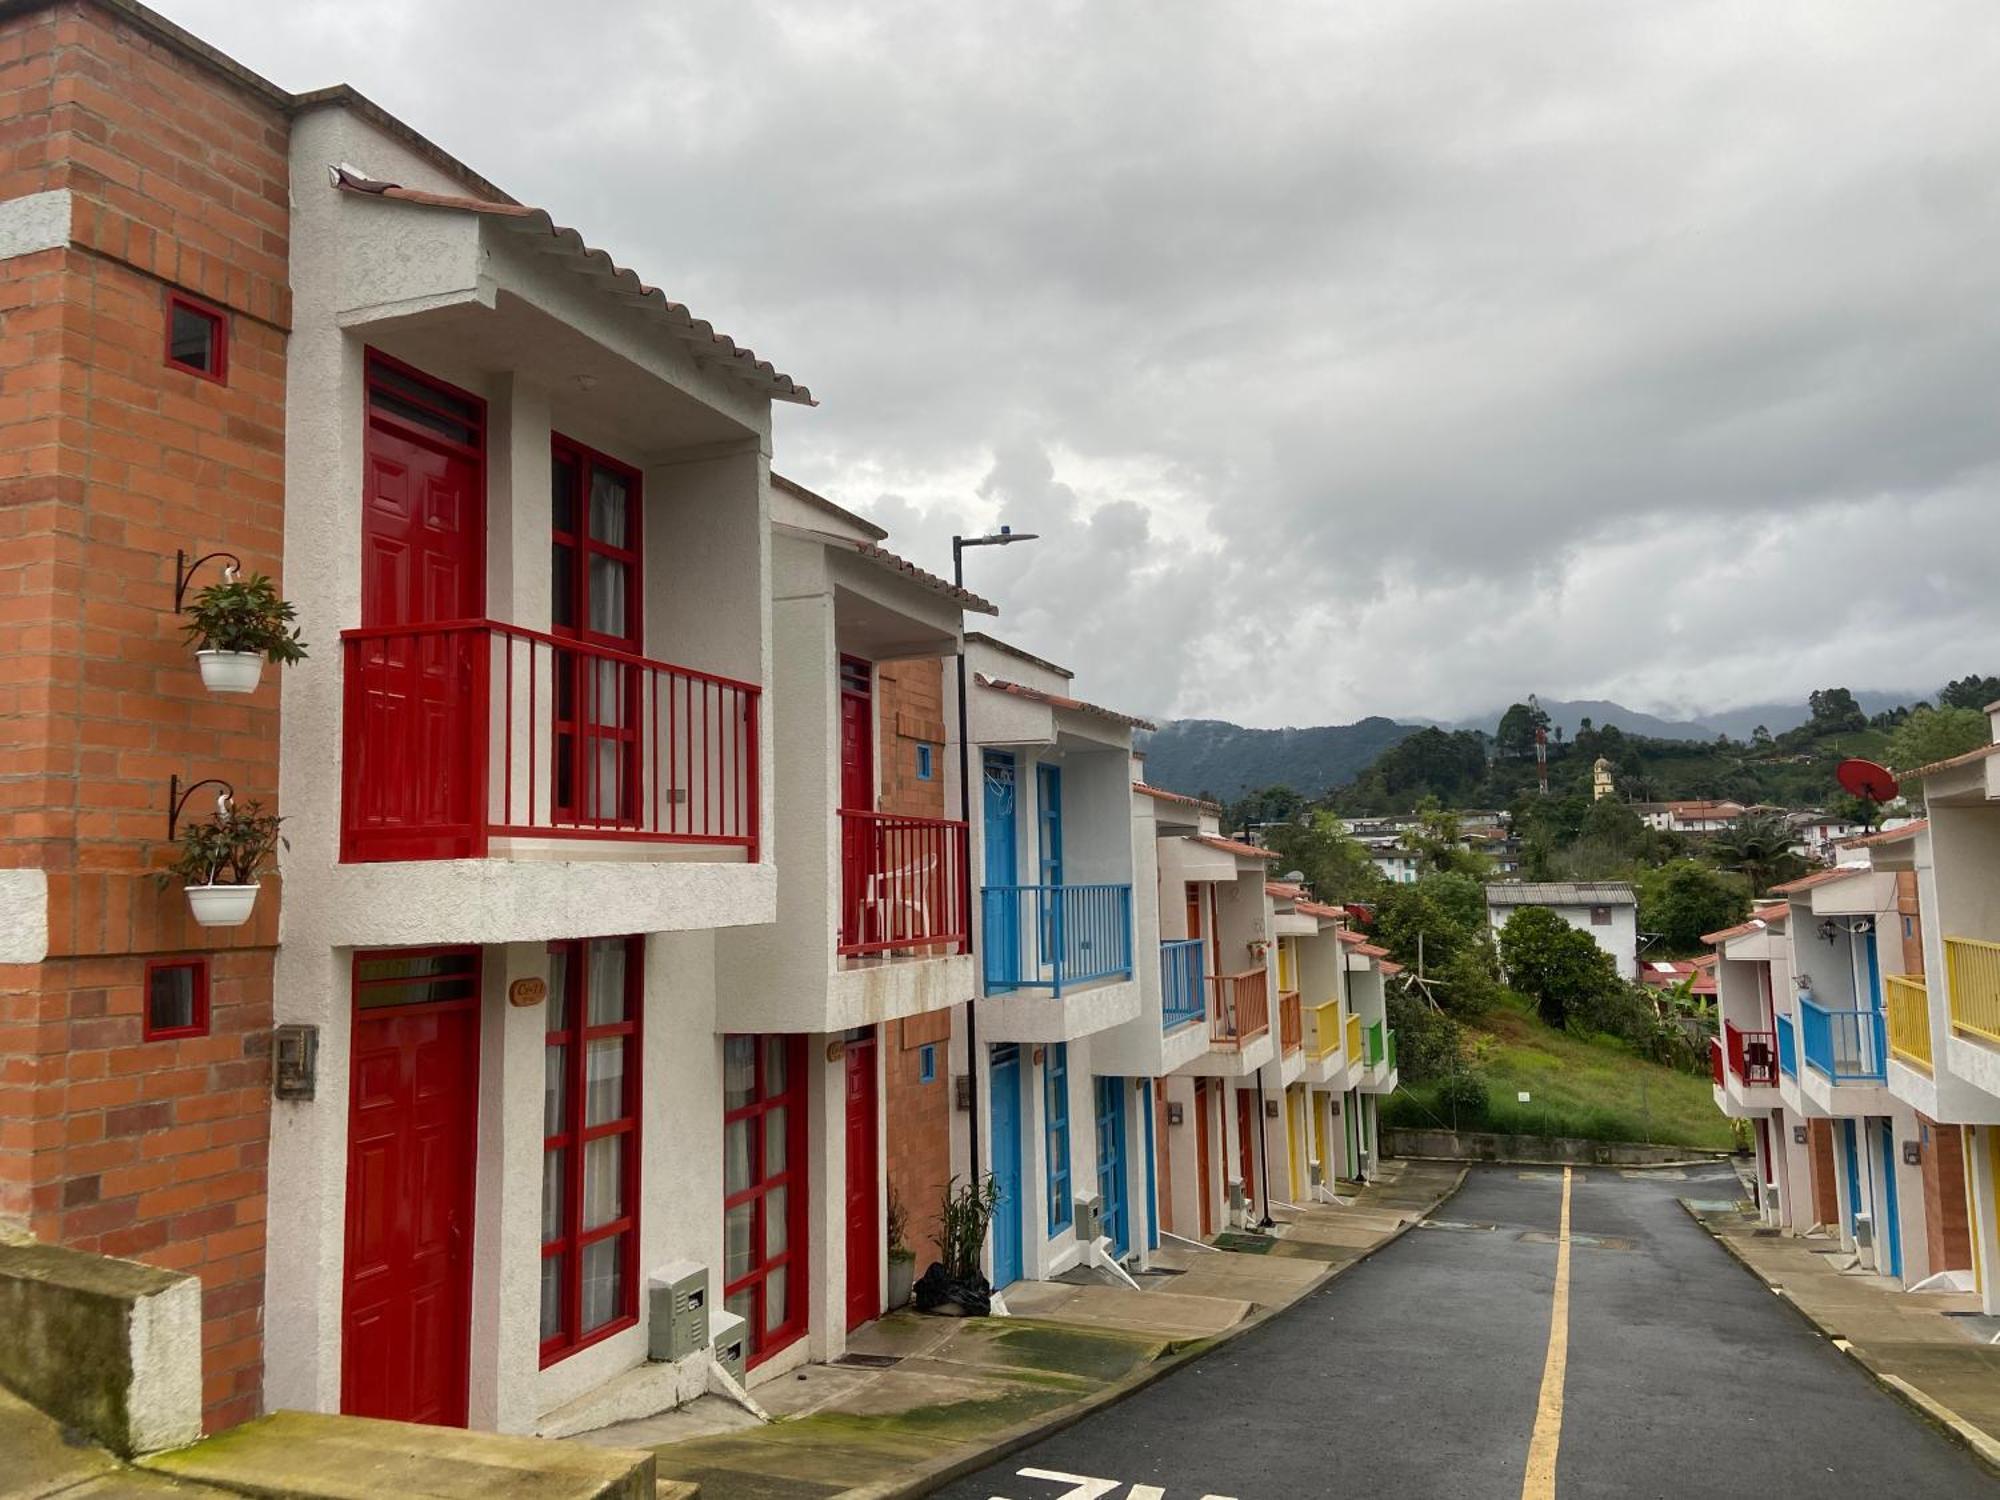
(1982, 1444)
(1685, 1163)
(943, 1472)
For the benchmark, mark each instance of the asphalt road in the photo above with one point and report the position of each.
(1418, 1373)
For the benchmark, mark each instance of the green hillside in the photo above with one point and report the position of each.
(1591, 1087)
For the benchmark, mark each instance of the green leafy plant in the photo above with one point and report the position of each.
(232, 848)
(245, 614)
(899, 1228)
(963, 1220)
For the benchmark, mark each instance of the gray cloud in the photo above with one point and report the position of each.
(1349, 359)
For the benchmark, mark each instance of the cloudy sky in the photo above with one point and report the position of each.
(1349, 358)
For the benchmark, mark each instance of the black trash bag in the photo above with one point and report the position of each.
(948, 1297)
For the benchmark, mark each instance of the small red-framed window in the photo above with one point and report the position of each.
(197, 337)
(176, 998)
(590, 1143)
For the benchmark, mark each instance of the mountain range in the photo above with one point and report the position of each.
(1227, 760)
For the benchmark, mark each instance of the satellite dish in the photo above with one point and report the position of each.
(1865, 779)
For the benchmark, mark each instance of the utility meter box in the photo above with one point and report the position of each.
(1316, 1174)
(1236, 1197)
(732, 1340)
(677, 1297)
(1089, 1219)
(1864, 1231)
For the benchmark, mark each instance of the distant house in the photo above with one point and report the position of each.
(1696, 816)
(1606, 909)
(1671, 973)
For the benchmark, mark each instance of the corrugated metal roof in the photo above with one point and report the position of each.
(705, 343)
(1562, 893)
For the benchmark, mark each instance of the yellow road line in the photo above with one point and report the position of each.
(1539, 1483)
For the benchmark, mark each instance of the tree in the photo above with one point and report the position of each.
(1269, 804)
(1969, 692)
(1761, 735)
(1835, 711)
(1758, 846)
(1438, 843)
(1334, 864)
(1934, 734)
(1515, 735)
(1684, 898)
(1554, 964)
(1437, 918)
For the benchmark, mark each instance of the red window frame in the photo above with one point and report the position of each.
(217, 318)
(199, 1025)
(580, 676)
(574, 1135)
(761, 1342)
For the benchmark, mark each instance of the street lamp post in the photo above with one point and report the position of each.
(1004, 537)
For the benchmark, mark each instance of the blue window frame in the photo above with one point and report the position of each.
(1055, 1130)
(924, 772)
(927, 1063)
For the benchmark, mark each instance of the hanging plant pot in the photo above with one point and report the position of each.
(222, 905)
(231, 671)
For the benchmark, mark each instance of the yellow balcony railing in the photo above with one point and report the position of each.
(1909, 1019)
(1972, 968)
(1353, 1038)
(1323, 1030)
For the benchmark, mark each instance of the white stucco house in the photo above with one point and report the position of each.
(1606, 909)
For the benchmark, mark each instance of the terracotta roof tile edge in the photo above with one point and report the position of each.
(1164, 795)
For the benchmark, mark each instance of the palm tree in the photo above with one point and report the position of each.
(1758, 845)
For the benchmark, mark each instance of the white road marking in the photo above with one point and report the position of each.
(1085, 1487)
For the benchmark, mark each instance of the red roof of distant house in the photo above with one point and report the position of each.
(1666, 974)
(1164, 795)
(1232, 846)
(1819, 878)
(1057, 700)
(1887, 836)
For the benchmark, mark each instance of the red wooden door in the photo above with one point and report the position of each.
(864, 1192)
(412, 1133)
(413, 789)
(1163, 1168)
(857, 736)
(1203, 1171)
(1246, 1125)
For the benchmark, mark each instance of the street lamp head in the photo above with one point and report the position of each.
(1005, 536)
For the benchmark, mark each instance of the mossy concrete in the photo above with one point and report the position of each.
(109, 1347)
(293, 1455)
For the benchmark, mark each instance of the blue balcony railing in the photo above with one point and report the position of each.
(1788, 1048)
(1054, 937)
(1846, 1046)
(1181, 986)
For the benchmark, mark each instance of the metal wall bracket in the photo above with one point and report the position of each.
(184, 572)
(177, 799)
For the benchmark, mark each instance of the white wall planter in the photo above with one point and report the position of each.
(222, 905)
(902, 1272)
(231, 671)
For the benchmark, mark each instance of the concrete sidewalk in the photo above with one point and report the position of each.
(919, 1400)
(1928, 1347)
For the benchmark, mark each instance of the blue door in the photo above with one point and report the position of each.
(1892, 1228)
(1853, 1173)
(1147, 1105)
(1001, 931)
(1049, 864)
(1006, 1085)
(1111, 1161)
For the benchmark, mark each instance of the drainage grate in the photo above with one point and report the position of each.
(1244, 1244)
(868, 1361)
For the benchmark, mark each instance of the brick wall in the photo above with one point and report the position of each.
(909, 699)
(1946, 1227)
(109, 461)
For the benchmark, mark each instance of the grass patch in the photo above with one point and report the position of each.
(1595, 1088)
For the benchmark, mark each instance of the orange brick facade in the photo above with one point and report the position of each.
(910, 712)
(113, 460)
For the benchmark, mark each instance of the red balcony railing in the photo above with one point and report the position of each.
(904, 884)
(1753, 1055)
(1291, 1022)
(1242, 1009)
(1715, 1060)
(455, 733)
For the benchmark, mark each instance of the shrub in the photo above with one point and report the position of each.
(1461, 1096)
(962, 1223)
(245, 614)
(1469, 986)
(1429, 1043)
(1555, 965)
